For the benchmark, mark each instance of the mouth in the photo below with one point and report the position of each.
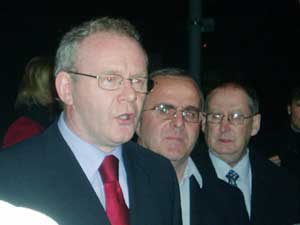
(126, 118)
(225, 141)
(174, 138)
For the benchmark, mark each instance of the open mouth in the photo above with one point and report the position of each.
(126, 118)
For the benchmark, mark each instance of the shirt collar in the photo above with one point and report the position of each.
(89, 156)
(190, 170)
(243, 167)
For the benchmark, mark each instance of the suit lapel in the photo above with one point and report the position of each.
(215, 204)
(204, 164)
(140, 197)
(259, 196)
(75, 192)
(200, 207)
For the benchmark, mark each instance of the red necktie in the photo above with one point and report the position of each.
(116, 208)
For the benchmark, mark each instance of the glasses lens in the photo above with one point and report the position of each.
(237, 118)
(109, 81)
(214, 117)
(191, 116)
(166, 111)
(139, 84)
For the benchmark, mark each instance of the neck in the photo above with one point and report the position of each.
(180, 168)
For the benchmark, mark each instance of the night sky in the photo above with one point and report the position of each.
(255, 40)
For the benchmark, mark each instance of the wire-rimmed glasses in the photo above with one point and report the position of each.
(110, 82)
(235, 118)
(168, 112)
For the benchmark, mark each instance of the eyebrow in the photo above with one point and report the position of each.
(165, 104)
(116, 72)
(191, 107)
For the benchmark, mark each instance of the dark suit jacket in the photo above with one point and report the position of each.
(275, 194)
(43, 174)
(216, 202)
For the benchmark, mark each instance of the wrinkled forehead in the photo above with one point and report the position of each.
(174, 88)
(228, 97)
(110, 48)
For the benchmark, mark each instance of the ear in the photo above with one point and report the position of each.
(289, 109)
(64, 85)
(255, 124)
(203, 122)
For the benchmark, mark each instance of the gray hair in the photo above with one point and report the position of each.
(67, 51)
(253, 99)
(178, 72)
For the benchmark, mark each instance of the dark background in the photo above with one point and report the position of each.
(254, 40)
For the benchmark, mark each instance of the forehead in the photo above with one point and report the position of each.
(179, 91)
(105, 50)
(229, 98)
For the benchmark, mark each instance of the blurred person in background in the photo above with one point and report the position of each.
(36, 104)
(289, 142)
(284, 144)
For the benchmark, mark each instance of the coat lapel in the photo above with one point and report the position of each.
(75, 192)
(259, 196)
(140, 197)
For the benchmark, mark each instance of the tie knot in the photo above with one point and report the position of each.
(109, 169)
(232, 177)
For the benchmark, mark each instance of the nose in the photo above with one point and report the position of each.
(224, 124)
(178, 120)
(128, 93)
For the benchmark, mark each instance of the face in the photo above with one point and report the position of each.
(228, 141)
(294, 112)
(173, 138)
(105, 118)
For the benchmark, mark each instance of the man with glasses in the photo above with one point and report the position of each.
(231, 117)
(169, 126)
(83, 170)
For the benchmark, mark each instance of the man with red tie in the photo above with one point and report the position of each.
(83, 170)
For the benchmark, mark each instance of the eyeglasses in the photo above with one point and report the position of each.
(112, 82)
(168, 112)
(233, 118)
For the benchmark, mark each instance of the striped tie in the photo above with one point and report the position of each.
(232, 177)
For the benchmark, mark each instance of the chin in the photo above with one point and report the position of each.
(224, 150)
(123, 138)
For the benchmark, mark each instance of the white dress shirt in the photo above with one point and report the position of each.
(184, 186)
(243, 168)
(90, 158)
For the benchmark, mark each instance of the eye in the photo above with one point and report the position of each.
(216, 116)
(138, 80)
(237, 116)
(109, 78)
(191, 114)
(165, 109)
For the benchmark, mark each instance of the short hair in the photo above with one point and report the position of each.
(66, 53)
(294, 95)
(37, 84)
(178, 72)
(253, 99)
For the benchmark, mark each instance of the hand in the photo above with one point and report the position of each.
(275, 159)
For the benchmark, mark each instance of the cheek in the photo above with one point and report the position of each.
(212, 132)
(150, 129)
(140, 100)
(193, 133)
(297, 113)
